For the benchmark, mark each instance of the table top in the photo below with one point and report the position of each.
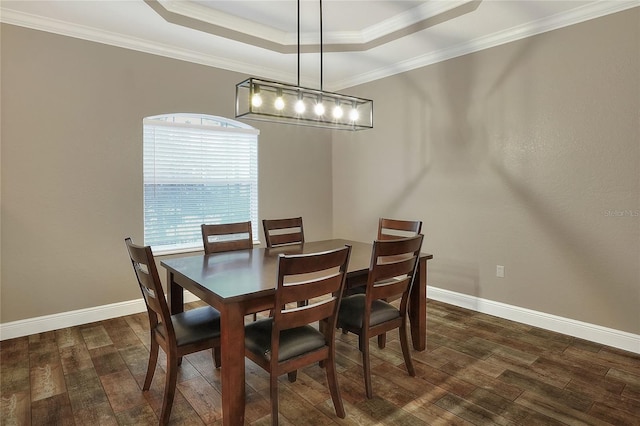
(236, 275)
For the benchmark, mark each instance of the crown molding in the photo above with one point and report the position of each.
(141, 45)
(575, 16)
(584, 13)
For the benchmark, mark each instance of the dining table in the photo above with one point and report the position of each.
(241, 282)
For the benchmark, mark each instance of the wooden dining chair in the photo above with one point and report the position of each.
(227, 237)
(217, 238)
(280, 232)
(288, 340)
(391, 229)
(391, 273)
(181, 334)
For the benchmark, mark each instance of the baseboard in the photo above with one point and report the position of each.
(44, 323)
(594, 333)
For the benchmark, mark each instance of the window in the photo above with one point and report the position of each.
(197, 169)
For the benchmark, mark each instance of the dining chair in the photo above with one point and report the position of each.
(284, 232)
(279, 232)
(391, 273)
(221, 237)
(390, 229)
(227, 237)
(181, 334)
(288, 340)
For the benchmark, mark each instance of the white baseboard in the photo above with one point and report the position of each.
(594, 333)
(44, 323)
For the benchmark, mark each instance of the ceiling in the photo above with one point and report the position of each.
(361, 40)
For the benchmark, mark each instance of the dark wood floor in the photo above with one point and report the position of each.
(477, 370)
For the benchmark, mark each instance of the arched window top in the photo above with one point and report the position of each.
(199, 120)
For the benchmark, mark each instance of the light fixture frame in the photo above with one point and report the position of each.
(268, 90)
(266, 110)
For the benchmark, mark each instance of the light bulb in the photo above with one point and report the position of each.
(279, 103)
(299, 107)
(337, 111)
(319, 108)
(256, 100)
(353, 114)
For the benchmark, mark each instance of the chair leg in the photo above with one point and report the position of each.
(151, 368)
(382, 340)
(332, 379)
(404, 343)
(366, 366)
(169, 388)
(292, 376)
(274, 398)
(217, 363)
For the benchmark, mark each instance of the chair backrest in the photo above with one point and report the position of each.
(279, 232)
(146, 272)
(392, 269)
(391, 229)
(227, 237)
(318, 278)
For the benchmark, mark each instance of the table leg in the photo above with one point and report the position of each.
(418, 308)
(232, 360)
(175, 295)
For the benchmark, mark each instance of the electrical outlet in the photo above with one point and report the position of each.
(499, 271)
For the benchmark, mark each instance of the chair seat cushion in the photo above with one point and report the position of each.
(194, 325)
(293, 341)
(351, 311)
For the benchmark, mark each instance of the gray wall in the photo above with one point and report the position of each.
(521, 155)
(71, 167)
(525, 155)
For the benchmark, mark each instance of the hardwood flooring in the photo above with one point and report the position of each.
(477, 370)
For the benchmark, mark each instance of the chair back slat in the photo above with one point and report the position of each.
(281, 239)
(227, 237)
(392, 229)
(395, 268)
(390, 288)
(311, 288)
(308, 314)
(144, 266)
(278, 232)
(402, 247)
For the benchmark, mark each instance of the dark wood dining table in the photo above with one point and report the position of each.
(241, 282)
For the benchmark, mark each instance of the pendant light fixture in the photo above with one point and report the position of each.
(273, 101)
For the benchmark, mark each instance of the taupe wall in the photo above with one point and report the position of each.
(525, 155)
(71, 167)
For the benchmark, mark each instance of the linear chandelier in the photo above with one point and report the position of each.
(278, 102)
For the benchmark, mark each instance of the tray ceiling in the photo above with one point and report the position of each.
(362, 40)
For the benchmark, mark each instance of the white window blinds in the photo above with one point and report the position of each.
(197, 169)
